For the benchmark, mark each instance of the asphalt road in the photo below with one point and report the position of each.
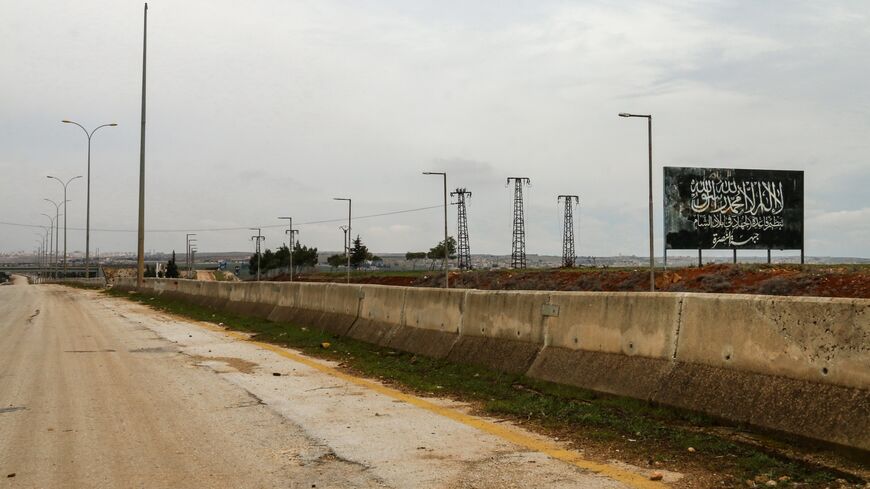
(100, 392)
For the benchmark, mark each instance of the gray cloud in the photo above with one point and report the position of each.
(269, 108)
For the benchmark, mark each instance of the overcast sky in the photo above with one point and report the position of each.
(268, 108)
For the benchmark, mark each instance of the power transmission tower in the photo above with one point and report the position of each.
(464, 250)
(568, 256)
(518, 243)
(259, 237)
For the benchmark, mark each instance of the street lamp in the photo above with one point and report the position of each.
(65, 213)
(42, 258)
(291, 232)
(187, 257)
(446, 268)
(259, 237)
(50, 241)
(347, 248)
(88, 217)
(56, 232)
(652, 281)
(39, 249)
(193, 251)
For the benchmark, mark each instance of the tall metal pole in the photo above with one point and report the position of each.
(652, 278)
(187, 252)
(88, 212)
(191, 261)
(652, 256)
(65, 213)
(141, 241)
(291, 232)
(349, 235)
(50, 242)
(344, 243)
(259, 237)
(56, 234)
(446, 248)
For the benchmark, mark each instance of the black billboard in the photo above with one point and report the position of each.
(726, 208)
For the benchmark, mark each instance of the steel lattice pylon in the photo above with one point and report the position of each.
(568, 255)
(464, 249)
(518, 242)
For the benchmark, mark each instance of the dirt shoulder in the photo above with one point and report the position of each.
(709, 452)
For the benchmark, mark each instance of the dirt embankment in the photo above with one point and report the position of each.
(818, 281)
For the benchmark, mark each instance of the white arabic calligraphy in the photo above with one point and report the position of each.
(729, 197)
(728, 239)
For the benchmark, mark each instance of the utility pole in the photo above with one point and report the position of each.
(140, 280)
(518, 241)
(568, 255)
(259, 237)
(344, 228)
(291, 232)
(347, 233)
(464, 249)
(446, 248)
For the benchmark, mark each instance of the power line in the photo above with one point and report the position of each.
(241, 228)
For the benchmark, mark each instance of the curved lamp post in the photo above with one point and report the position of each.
(56, 231)
(88, 217)
(64, 215)
(50, 242)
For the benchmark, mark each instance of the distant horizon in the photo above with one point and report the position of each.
(299, 103)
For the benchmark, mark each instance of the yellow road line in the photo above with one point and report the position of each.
(498, 430)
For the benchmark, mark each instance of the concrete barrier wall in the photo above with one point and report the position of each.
(431, 321)
(815, 339)
(381, 311)
(501, 329)
(615, 342)
(615, 322)
(798, 365)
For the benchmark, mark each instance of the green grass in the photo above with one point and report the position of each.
(640, 430)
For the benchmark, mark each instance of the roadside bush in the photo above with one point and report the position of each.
(713, 283)
(776, 286)
(587, 282)
(633, 282)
